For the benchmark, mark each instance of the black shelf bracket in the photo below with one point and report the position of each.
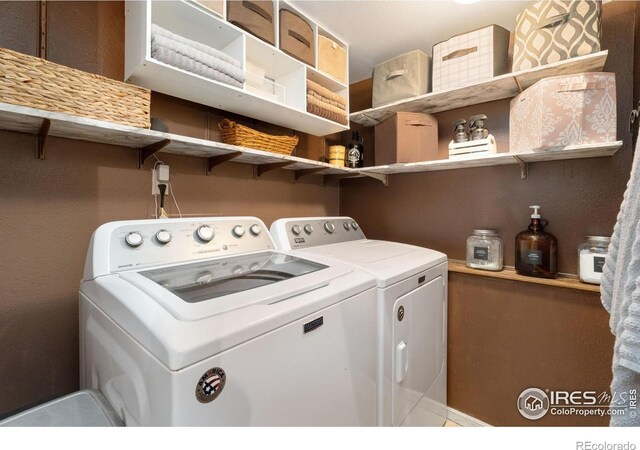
(304, 172)
(262, 168)
(43, 132)
(149, 150)
(213, 161)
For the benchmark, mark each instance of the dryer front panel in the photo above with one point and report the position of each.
(417, 346)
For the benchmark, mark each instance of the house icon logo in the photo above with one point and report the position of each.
(533, 403)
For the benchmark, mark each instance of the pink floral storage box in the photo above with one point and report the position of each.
(566, 110)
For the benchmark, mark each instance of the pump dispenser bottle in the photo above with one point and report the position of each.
(536, 249)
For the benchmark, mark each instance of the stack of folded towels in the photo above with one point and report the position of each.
(195, 57)
(324, 103)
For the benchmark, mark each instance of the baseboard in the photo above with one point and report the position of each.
(464, 419)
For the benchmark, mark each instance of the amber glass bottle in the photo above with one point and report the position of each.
(536, 249)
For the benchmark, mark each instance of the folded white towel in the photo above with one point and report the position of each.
(621, 294)
(172, 58)
(159, 31)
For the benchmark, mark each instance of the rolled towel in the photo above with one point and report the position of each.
(330, 115)
(323, 91)
(197, 55)
(172, 58)
(159, 31)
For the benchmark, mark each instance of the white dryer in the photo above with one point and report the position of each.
(412, 312)
(200, 321)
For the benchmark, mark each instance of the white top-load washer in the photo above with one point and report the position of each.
(412, 311)
(200, 321)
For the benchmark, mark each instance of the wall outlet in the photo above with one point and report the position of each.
(159, 175)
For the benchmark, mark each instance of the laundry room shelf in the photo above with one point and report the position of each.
(498, 88)
(508, 273)
(33, 121)
(523, 158)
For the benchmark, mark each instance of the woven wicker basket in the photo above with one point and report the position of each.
(37, 83)
(235, 134)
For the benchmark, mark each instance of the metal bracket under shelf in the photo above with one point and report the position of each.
(43, 132)
(297, 174)
(383, 178)
(149, 150)
(524, 168)
(214, 161)
(259, 169)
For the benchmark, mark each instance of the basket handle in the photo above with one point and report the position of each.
(257, 9)
(226, 124)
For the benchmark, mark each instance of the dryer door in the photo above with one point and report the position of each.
(418, 346)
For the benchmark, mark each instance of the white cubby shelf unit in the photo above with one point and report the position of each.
(192, 21)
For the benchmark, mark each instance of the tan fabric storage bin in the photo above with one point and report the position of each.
(555, 30)
(255, 17)
(216, 6)
(296, 37)
(332, 58)
(402, 77)
(565, 110)
(470, 58)
(406, 137)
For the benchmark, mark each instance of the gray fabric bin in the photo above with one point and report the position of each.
(81, 409)
(404, 76)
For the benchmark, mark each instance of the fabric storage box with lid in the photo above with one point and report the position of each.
(401, 77)
(332, 58)
(555, 30)
(256, 17)
(406, 137)
(565, 110)
(470, 58)
(297, 37)
(37, 83)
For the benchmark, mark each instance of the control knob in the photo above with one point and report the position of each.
(296, 230)
(134, 239)
(238, 231)
(255, 229)
(308, 229)
(329, 227)
(163, 236)
(346, 226)
(205, 233)
(354, 225)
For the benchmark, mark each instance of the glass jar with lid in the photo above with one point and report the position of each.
(484, 250)
(591, 257)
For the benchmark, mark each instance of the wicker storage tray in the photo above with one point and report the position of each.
(29, 81)
(235, 134)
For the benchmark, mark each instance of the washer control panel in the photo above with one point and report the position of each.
(306, 232)
(146, 243)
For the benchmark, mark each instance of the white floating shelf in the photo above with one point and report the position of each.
(498, 88)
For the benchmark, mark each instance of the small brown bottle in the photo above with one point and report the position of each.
(536, 250)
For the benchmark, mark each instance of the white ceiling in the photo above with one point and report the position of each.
(379, 30)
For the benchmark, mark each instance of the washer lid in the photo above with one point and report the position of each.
(389, 262)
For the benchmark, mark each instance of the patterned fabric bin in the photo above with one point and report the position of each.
(565, 110)
(555, 30)
(470, 58)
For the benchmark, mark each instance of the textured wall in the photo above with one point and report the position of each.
(51, 207)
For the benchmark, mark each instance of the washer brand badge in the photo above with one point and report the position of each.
(210, 385)
(533, 403)
(299, 240)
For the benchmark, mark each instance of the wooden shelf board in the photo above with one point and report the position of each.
(501, 87)
(28, 120)
(508, 273)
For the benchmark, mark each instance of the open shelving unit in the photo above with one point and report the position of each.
(192, 21)
(498, 88)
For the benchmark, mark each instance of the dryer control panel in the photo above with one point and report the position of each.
(304, 232)
(132, 245)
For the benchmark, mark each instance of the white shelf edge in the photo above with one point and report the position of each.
(415, 104)
(28, 120)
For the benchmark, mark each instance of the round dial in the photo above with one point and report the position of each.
(354, 225)
(308, 229)
(296, 230)
(205, 233)
(163, 236)
(134, 239)
(238, 231)
(346, 226)
(255, 229)
(329, 227)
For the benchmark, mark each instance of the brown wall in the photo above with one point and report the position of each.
(440, 209)
(51, 207)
